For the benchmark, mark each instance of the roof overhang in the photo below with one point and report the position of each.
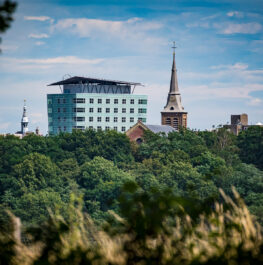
(86, 80)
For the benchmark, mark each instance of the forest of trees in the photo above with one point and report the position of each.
(40, 173)
(96, 198)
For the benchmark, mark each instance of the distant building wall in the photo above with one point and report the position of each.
(237, 119)
(95, 111)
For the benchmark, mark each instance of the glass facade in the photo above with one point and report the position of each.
(100, 111)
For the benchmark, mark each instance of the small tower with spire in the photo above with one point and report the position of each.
(174, 113)
(24, 121)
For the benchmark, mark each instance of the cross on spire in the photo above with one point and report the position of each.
(174, 47)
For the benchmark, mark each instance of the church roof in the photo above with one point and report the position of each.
(160, 128)
(153, 128)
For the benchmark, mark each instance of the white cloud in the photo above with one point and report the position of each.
(92, 27)
(63, 64)
(9, 48)
(255, 102)
(236, 66)
(235, 14)
(135, 32)
(38, 18)
(38, 36)
(54, 60)
(242, 28)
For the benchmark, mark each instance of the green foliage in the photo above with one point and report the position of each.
(250, 143)
(39, 173)
(7, 8)
(156, 229)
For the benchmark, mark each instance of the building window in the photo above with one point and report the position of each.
(65, 119)
(142, 119)
(123, 110)
(58, 119)
(131, 110)
(107, 119)
(79, 100)
(142, 101)
(107, 110)
(176, 123)
(168, 121)
(58, 100)
(99, 128)
(131, 119)
(99, 119)
(99, 110)
(115, 128)
(64, 110)
(142, 110)
(79, 127)
(65, 128)
(49, 101)
(99, 100)
(132, 101)
(107, 128)
(107, 101)
(123, 128)
(64, 100)
(91, 100)
(58, 109)
(124, 101)
(123, 119)
(49, 110)
(115, 101)
(59, 129)
(78, 109)
(115, 119)
(79, 118)
(90, 109)
(90, 127)
(115, 110)
(91, 119)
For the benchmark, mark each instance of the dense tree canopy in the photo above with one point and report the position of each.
(40, 173)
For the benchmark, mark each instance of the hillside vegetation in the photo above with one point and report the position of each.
(95, 198)
(40, 173)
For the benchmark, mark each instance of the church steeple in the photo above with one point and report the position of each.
(174, 106)
(24, 120)
(174, 83)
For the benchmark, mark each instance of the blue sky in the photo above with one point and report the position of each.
(219, 55)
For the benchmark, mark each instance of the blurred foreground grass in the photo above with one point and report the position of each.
(154, 228)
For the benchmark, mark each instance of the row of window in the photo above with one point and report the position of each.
(107, 110)
(175, 122)
(107, 128)
(99, 119)
(99, 101)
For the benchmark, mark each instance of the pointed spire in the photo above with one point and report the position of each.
(174, 83)
(174, 98)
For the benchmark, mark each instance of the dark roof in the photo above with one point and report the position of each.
(160, 128)
(85, 80)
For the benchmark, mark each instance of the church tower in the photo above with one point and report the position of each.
(24, 120)
(174, 113)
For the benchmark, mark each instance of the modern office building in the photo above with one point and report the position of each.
(96, 104)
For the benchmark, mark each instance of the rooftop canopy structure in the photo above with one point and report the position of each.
(88, 80)
(79, 84)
